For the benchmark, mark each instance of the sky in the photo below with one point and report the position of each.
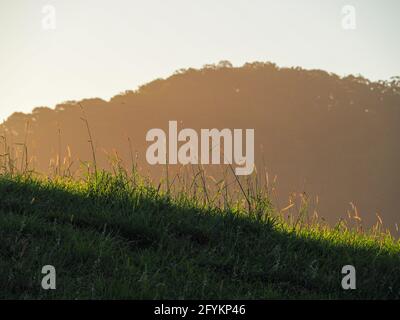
(57, 50)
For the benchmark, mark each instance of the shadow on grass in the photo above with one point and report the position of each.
(112, 241)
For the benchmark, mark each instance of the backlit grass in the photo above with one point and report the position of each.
(111, 236)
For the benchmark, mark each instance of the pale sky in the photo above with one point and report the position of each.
(100, 48)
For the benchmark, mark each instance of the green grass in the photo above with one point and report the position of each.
(108, 238)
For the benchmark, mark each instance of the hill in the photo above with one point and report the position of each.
(118, 237)
(327, 136)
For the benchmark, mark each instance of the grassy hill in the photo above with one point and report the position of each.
(115, 236)
(332, 137)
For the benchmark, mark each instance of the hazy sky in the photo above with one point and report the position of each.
(101, 47)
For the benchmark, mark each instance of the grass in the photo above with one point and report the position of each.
(110, 236)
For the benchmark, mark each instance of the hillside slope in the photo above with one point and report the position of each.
(111, 238)
(331, 137)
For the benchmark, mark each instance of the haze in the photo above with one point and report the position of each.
(100, 48)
